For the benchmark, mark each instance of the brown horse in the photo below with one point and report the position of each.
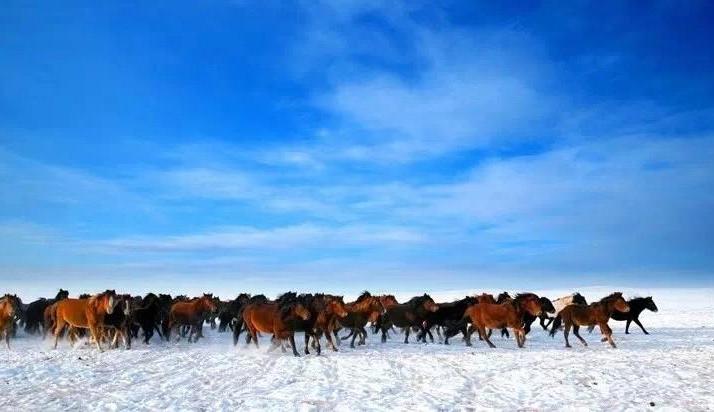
(49, 319)
(276, 318)
(366, 308)
(598, 313)
(85, 314)
(191, 314)
(329, 308)
(9, 306)
(509, 314)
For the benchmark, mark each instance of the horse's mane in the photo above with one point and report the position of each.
(286, 299)
(418, 300)
(613, 295)
(363, 296)
(258, 299)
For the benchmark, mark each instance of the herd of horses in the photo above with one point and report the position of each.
(109, 317)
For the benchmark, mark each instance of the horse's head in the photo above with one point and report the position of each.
(616, 302)
(13, 304)
(649, 304)
(529, 302)
(387, 300)
(106, 300)
(579, 299)
(546, 305)
(336, 305)
(503, 297)
(429, 304)
(486, 298)
(469, 300)
(207, 302)
(301, 311)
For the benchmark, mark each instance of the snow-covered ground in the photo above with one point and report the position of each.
(673, 368)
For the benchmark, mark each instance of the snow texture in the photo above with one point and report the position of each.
(672, 368)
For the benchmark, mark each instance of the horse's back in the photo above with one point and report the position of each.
(260, 315)
(73, 311)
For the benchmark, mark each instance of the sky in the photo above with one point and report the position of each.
(348, 145)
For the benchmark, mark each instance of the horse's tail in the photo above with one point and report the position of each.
(556, 325)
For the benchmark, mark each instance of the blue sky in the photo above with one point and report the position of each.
(350, 145)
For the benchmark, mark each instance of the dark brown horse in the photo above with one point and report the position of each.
(509, 314)
(598, 313)
(85, 314)
(408, 315)
(363, 310)
(276, 318)
(190, 314)
(9, 306)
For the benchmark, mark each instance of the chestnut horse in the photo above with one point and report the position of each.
(276, 318)
(191, 314)
(598, 313)
(501, 315)
(9, 306)
(85, 314)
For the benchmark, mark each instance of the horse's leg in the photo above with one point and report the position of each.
(354, 336)
(292, 343)
(576, 332)
(406, 334)
(59, 328)
(485, 336)
(607, 332)
(307, 342)
(328, 336)
(316, 341)
(363, 337)
(542, 322)
(637, 321)
(431, 337)
(94, 332)
(566, 332)
(467, 336)
(627, 326)
(7, 337)
(504, 333)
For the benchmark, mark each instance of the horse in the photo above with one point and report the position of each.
(501, 315)
(85, 314)
(410, 314)
(237, 322)
(119, 321)
(276, 318)
(35, 312)
(546, 308)
(190, 314)
(447, 314)
(9, 307)
(577, 315)
(148, 316)
(562, 302)
(637, 306)
(230, 310)
(322, 309)
(365, 309)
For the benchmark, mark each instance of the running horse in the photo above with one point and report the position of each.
(192, 314)
(85, 313)
(366, 308)
(277, 318)
(501, 315)
(408, 315)
(9, 307)
(577, 315)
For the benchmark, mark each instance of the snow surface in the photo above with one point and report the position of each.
(673, 367)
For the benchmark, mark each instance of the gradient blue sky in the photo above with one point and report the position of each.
(348, 145)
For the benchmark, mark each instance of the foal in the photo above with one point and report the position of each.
(577, 315)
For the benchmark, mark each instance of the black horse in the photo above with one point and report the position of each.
(35, 313)
(637, 306)
(148, 316)
(411, 314)
(120, 320)
(447, 315)
(546, 307)
(231, 310)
